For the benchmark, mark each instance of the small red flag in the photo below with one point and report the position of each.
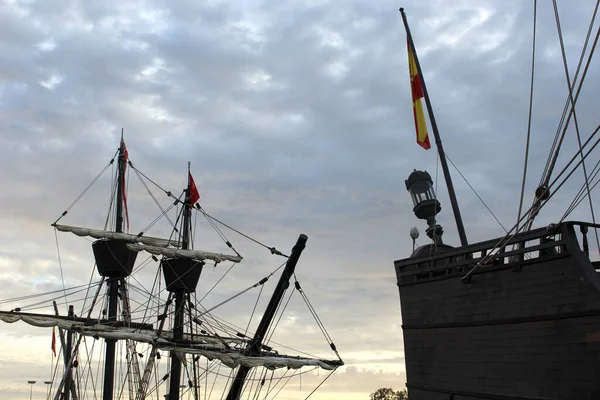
(53, 346)
(194, 194)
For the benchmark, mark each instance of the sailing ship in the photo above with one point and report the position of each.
(208, 357)
(515, 317)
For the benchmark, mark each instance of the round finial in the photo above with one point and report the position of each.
(414, 233)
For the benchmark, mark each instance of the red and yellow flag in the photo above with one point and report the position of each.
(417, 95)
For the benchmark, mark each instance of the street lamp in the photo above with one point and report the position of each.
(31, 383)
(48, 383)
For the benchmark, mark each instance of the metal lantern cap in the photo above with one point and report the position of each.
(418, 176)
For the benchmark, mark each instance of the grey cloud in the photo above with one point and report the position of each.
(296, 117)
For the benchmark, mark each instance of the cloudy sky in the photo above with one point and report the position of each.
(296, 117)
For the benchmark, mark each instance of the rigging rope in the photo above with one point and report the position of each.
(320, 384)
(62, 275)
(86, 189)
(89, 287)
(154, 285)
(219, 232)
(253, 310)
(476, 194)
(273, 250)
(279, 314)
(87, 372)
(163, 212)
(280, 380)
(316, 317)
(219, 281)
(564, 57)
(525, 163)
(571, 101)
(33, 296)
(580, 194)
(545, 197)
(259, 283)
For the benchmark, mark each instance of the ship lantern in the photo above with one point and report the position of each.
(420, 187)
(426, 205)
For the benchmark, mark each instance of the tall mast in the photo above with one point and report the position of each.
(187, 214)
(113, 282)
(254, 348)
(115, 262)
(181, 277)
(175, 378)
(120, 186)
(459, 223)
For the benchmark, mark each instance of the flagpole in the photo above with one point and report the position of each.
(438, 141)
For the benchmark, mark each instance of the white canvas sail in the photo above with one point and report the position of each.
(181, 253)
(234, 359)
(126, 237)
(107, 331)
(213, 348)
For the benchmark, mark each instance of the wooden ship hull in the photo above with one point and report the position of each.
(524, 326)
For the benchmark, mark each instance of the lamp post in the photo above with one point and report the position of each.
(48, 383)
(426, 205)
(31, 383)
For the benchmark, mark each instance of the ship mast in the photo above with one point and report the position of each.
(115, 262)
(255, 345)
(113, 283)
(181, 277)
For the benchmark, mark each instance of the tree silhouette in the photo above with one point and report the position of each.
(389, 394)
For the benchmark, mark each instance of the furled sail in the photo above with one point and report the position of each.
(181, 253)
(127, 237)
(211, 347)
(233, 359)
(111, 330)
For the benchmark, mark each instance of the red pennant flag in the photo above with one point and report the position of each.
(194, 194)
(53, 346)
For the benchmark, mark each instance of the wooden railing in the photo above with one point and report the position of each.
(523, 248)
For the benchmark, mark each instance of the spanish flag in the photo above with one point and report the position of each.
(417, 95)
